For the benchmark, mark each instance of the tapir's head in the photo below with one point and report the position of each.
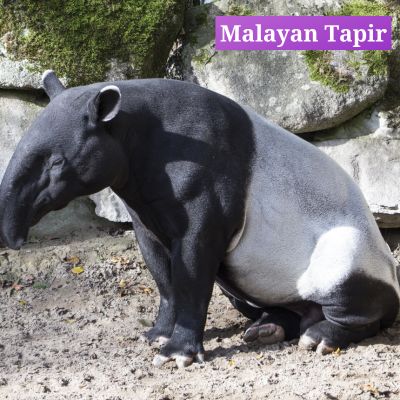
(69, 151)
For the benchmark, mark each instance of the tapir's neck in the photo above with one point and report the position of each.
(127, 135)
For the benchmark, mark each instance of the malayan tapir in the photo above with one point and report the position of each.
(216, 193)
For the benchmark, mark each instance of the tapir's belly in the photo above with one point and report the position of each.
(273, 251)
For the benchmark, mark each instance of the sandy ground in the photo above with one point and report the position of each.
(66, 335)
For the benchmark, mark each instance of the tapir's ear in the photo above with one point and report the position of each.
(106, 105)
(51, 84)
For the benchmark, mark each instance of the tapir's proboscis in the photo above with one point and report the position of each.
(216, 194)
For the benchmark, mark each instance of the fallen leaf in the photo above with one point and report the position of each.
(77, 270)
(23, 302)
(122, 283)
(145, 322)
(337, 352)
(17, 287)
(369, 387)
(120, 260)
(72, 260)
(146, 290)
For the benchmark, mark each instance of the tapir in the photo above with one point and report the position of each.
(218, 194)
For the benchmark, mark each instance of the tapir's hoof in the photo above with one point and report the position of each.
(326, 337)
(180, 360)
(181, 352)
(308, 343)
(268, 333)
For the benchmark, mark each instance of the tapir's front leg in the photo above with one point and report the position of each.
(158, 262)
(195, 259)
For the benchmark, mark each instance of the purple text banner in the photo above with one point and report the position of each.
(303, 33)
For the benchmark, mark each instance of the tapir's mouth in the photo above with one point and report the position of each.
(15, 234)
(17, 244)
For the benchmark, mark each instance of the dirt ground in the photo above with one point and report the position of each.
(72, 312)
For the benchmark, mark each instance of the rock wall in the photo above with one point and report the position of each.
(346, 103)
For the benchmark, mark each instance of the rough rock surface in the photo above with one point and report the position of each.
(17, 111)
(16, 75)
(110, 206)
(368, 148)
(277, 84)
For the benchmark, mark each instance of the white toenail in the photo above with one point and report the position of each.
(323, 349)
(162, 340)
(159, 360)
(306, 342)
(183, 361)
(200, 358)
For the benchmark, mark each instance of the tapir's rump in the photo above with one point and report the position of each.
(306, 223)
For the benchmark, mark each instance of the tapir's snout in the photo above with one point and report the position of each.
(15, 207)
(11, 235)
(15, 244)
(13, 228)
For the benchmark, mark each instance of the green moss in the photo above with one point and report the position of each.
(321, 70)
(40, 285)
(78, 38)
(201, 18)
(377, 61)
(363, 8)
(192, 39)
(239, 10)
(203, 56)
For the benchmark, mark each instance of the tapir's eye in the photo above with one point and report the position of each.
(56, 162)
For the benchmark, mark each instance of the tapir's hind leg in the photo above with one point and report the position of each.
(272, 324)
(325, 336)
(355, 310)
(284, 323)
(275, 325)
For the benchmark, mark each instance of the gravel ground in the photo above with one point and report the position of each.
(72, 312)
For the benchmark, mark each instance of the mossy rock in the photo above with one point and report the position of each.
(300, 91)
(90, 40)
(375, 62)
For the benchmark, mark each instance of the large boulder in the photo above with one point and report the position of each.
(86, 42)
(17, 111)
(301, 91)
(368, 148)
